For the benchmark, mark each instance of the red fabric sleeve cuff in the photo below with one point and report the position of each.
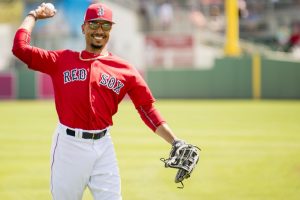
(150, 116)
(22, 35)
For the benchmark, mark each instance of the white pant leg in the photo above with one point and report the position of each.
(72, 160)
(105, 182)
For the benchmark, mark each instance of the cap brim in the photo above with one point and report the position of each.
(102, 19)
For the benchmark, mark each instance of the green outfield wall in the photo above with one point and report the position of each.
(240, 77)
(280, 79)
(26, 83)
(229, 78)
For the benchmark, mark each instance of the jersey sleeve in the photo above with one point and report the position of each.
(150, 116)
(36, 58)
(139, 91)
(143, 100)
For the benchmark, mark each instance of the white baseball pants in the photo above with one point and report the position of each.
(77, 163)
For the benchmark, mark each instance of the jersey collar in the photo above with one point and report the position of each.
(87, 56)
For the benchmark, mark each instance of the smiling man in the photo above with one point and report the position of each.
(88, 87)
(97, 25)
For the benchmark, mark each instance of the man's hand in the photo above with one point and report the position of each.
(45, 10)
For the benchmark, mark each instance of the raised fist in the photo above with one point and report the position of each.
(45, 10)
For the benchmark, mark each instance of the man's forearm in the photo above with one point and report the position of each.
(166, 133)
(28, 23)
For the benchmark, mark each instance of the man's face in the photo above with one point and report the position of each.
(96, 34)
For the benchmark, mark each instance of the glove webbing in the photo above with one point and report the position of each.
(165, 161)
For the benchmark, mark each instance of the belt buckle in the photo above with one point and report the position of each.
(93, 136)
(78, 133)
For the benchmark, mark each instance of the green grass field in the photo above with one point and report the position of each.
(250, 150)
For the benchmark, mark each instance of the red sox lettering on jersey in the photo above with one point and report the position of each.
(81, 74)
(111, 82)
(75, 75)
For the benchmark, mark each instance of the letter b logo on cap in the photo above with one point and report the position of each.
(100, 11)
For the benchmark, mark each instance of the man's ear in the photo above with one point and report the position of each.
(82, 28)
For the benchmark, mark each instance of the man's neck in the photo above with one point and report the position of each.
(97, 52)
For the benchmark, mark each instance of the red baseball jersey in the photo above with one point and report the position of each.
(88, 88)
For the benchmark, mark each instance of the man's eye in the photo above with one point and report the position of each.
(93, 25)
(106, 26)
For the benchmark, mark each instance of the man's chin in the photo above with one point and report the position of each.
(96, 47)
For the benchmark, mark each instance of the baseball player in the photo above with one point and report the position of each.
(88, 87)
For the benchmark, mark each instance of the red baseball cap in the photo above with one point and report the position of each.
(98, 11)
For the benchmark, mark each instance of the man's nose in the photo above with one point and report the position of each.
(99, 30)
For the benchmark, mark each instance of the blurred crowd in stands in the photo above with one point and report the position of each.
(275, 23)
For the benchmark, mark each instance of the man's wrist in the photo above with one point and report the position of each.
(33, 14)
(178, 142)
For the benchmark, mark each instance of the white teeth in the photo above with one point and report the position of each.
(98, 38)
